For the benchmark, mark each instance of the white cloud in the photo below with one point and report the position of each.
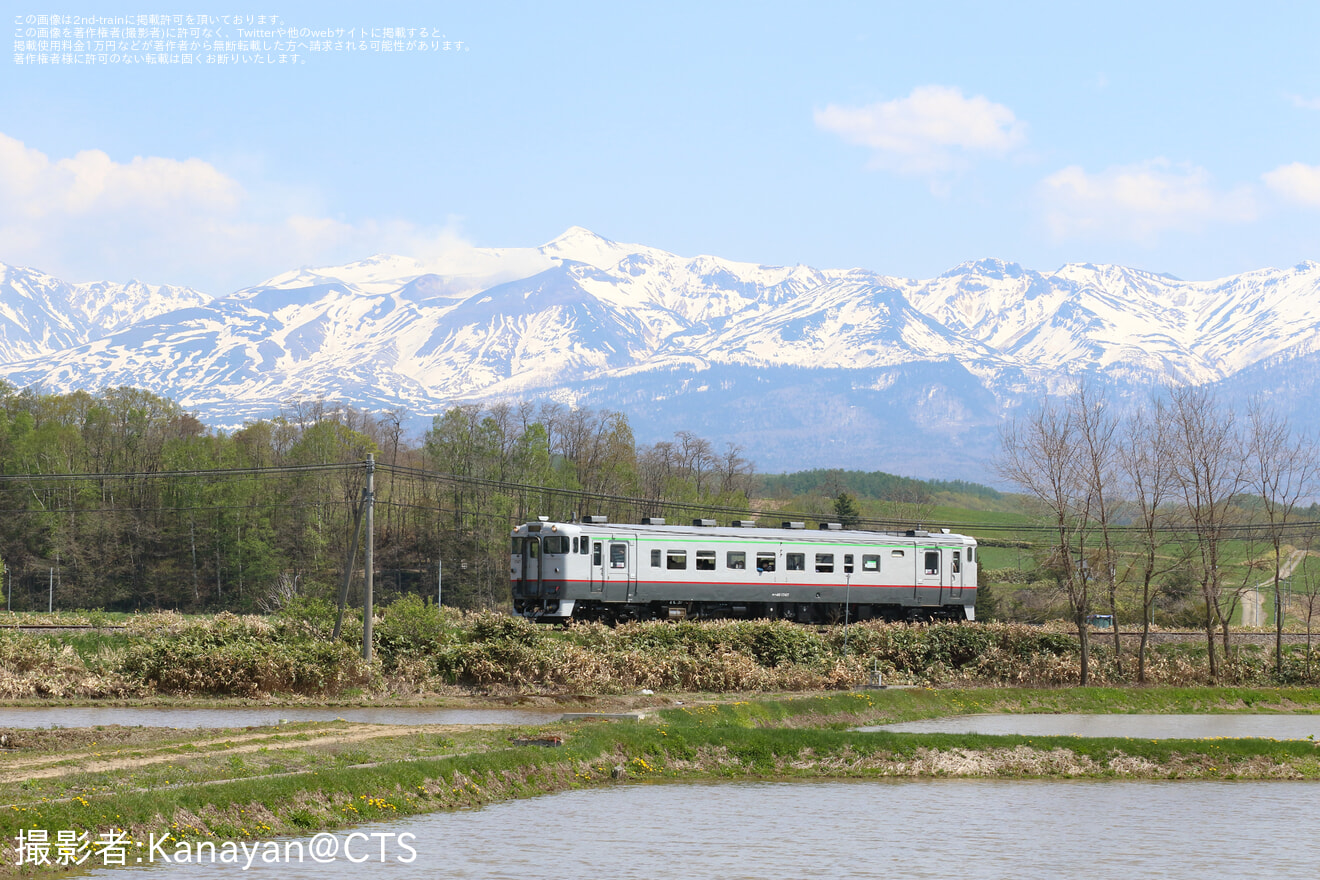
(1296, 182)
(931, 131)
(173, 221)
(1305, 103)
(1140, 201)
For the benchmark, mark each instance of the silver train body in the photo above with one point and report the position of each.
(593, 570)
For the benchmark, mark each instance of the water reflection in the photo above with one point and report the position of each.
(1138, 726)
(892, 829)
(32, 717)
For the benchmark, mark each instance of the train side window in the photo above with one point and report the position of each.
(897, 554)
(585, 548)
(847, 563)
(932, 562)
(735, 559)
(705, 560)
(795, 561)
(765, 562)
(595, 553)
(655, 558)
(971, 554)
(618, 556)
(871, 562)
(676, 560)
(825, 562)
(957, 561)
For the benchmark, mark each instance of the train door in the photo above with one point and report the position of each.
(597, 549)
(531, 566)
(931, 574)
(617, 567)
(955, 559)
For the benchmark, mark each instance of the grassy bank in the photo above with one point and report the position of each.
(421, 650)
(297, 779)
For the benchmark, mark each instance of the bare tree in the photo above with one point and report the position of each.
(1309, 597)
(1097, 435)
(1208, 471)
(1282, 473)
(1040, 453)
(735, 470)
(1146, 463)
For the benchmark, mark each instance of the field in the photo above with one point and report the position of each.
(295, 779)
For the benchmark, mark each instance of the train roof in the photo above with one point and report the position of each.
(750, 532)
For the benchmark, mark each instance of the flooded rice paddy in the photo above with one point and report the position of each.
(36, 717)
(974, 830)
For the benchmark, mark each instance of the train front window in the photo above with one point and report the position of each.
(533, 548)
(765, 562)
(517, 546)
(736, 559)
(618, 556)
(795, 561)
(825, 562)
(676, 560)
(705, 560)
(557, 544)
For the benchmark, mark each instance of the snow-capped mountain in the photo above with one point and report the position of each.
(41, 315)
(858, 368)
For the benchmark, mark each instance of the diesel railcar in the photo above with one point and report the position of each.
(594, 570)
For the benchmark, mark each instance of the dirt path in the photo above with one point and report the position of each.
(94, 762)
(1253, 603)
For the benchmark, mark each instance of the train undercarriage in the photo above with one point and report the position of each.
(821, 613)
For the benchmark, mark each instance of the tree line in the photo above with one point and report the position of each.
(149, 524)
(1180, 491)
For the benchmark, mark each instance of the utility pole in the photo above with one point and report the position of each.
(368, 555)
(50, 607)
(358, 510)
(439, 581)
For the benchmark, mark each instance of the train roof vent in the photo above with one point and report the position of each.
(916, 533)
(704, 523)
(795, 525)
(831, 527)
(595, 520)
(743, 523)
(653, 520)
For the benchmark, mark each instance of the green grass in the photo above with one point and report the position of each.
(808, 737)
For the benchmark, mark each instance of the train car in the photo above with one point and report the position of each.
(594, 570)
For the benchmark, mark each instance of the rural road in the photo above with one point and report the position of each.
(1253, 602)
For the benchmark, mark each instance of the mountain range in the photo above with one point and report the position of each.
(802, 367)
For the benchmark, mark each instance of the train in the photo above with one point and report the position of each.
(598, 571)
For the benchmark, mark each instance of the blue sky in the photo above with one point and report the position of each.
(903, 138)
